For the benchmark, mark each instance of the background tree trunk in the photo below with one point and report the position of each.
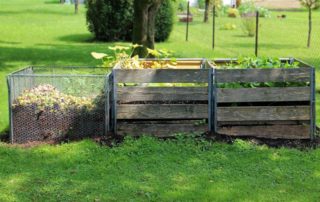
(144, 25)
(76, 6)
(206, 11)
(310, 27)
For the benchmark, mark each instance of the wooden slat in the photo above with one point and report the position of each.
(134, 94)
(164, 111)
(161, 75)
(160, 130)
(251, 123)
(270, 132)
(263, 75)
(227, 95)
(267, 113)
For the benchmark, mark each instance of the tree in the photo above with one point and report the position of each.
(144, 25)
(310, 5)
(207, 8)
(76, 6)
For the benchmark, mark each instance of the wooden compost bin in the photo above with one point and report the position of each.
(268, 112)
(163, 102)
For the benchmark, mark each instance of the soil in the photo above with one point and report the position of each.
(112, 141)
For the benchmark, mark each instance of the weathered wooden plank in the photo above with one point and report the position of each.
(164, 111)
(161, 75)
(270, 132)
(160, 130)
(288, 94)
(263, 75)
(254, 123)
(135, 94)
(263, 113)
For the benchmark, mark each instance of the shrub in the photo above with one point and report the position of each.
(112, 20)
(164, 21)
(249, 8)
(249, 26)
(233, 12)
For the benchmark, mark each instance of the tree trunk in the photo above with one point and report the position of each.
(310, 27)
(206, 11)
(76, 6)
(144, 25)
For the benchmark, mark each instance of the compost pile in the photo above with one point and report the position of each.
(45, 113)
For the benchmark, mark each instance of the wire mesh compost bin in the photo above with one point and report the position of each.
(53, 103)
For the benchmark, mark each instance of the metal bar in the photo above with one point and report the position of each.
(188, 13)
(210, 103)
(107, 102)
(60, 75)
(213, 25)
(114, 101)
(215, 100)
(9, 84)
(203, 63)
(257, 34)
(312, 104)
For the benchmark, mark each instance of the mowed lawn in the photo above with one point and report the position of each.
(40, 32)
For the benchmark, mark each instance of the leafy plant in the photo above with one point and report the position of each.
(248, 8)
(249, 26)
(48, 98)
(259, 62)
(233, 12)
(123, 55)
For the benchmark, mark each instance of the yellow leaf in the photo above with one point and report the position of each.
(98, 55)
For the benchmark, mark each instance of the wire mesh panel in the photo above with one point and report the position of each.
(57, 103)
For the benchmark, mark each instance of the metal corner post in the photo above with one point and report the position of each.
(9, 84)
(107, 104)
(212, 101)
(312, 104)
(114, 102)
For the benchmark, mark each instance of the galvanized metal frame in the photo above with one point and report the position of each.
(9, 83)
(212, 100)
(108, 84)
(114, 102)
(312, 103)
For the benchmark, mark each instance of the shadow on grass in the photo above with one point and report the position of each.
(148, 169)
(78, 38)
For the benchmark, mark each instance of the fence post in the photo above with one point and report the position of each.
(312, 103)
(188, 13)
(212, 102)
(257, 34)
(113, 121)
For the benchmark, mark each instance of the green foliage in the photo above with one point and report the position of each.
(312, 4)
(48, 98)
(123, 56)
(260, 62)
(249, 26)
(248, 8)
(233, 12)
(164, 21)
(229, 26)
(112, 20)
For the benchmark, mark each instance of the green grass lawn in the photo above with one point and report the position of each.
(153, 170)
(40, 32)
